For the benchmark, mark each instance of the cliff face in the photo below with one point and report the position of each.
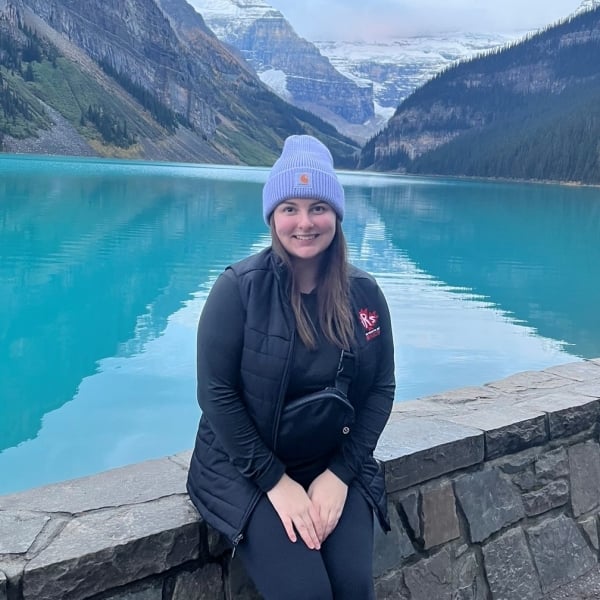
(157, 66)
(507, 90)
(397, 67)
(135, 39)
(271, 44)
(293, 66)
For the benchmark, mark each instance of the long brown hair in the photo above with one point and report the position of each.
(333, 298)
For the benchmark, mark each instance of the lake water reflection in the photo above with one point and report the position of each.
(105, 265)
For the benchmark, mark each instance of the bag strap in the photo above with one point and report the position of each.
(345, 371)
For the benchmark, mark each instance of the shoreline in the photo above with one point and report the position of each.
(16, 153)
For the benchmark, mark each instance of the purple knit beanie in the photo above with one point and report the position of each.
(304, 170)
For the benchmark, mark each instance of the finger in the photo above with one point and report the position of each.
(306, 529)
(327, 525)
(331, 525)
(319, 519)
(332, 521)
(312, 532)
(289, 529)
(319, 526)
(323, 527)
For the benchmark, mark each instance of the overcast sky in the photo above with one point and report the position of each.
(319, 20)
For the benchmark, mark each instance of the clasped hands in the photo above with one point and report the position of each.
(312, 513)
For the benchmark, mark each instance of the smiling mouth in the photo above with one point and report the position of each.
(306, 237)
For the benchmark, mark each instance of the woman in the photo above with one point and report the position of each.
(287, 322)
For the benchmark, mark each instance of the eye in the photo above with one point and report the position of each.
(287, 209)
(320, 208)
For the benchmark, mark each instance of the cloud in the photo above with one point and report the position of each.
(374, 19)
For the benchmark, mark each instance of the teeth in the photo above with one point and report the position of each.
(306, 237)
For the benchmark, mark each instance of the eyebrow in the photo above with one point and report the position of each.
(294, 201)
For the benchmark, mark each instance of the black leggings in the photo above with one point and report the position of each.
(282, 570)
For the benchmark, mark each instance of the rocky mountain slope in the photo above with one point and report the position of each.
(396, 67)
(140, 79)
(356, 86)
(528, 111)
(292, 66)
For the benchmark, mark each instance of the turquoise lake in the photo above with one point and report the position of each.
(105, 265)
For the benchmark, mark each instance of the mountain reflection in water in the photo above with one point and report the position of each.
(105, 265)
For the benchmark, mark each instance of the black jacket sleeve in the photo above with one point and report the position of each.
(374, 412)
(219, 349)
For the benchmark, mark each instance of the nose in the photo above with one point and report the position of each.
(305, 219)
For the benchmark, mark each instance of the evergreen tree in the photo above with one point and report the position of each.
(29, 76)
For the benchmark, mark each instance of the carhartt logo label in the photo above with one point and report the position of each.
(303, 179)
(369, 320)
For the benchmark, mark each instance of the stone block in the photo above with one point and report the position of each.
(102, 550)
(589, 388)
(581, 370)
(584, 466)
(182, 459)
(430, 577)
(552, 495)
(147, 590)
(465, 396)
(217, 543)
(560, 552)
(425, 407)
(509, 567)
(468, 577)
(590, 528)
(516, 436)
(531, 472)
(507, 428)
(551, 466)
(529, 383)
(12, 567)
(525, 480)
(416, 450)
(516, 463)
(445, 576)
(391, 550)
(409, 504)
(391, 587)
(586, 587)
(568, 411)
(489, 503)
(133, 484)
(19, 530)
(205, 583)
(440, 522)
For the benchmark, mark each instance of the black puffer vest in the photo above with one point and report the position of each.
(221, 492)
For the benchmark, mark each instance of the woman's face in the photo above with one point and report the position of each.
(305, 227)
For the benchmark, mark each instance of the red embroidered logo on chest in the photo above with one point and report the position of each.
(369, 321)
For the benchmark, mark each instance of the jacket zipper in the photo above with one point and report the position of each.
(284, 381)
(282, 389)
(240, 536)
(236, 541)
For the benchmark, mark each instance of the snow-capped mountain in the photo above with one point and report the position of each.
(227, 18)
(293, 67)
(525, 112)
(587, 5)
(397, 67)
(357, 86)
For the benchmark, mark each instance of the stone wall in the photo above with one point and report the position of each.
(494, 493)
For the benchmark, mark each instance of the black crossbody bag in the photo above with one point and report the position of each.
(312, 427)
